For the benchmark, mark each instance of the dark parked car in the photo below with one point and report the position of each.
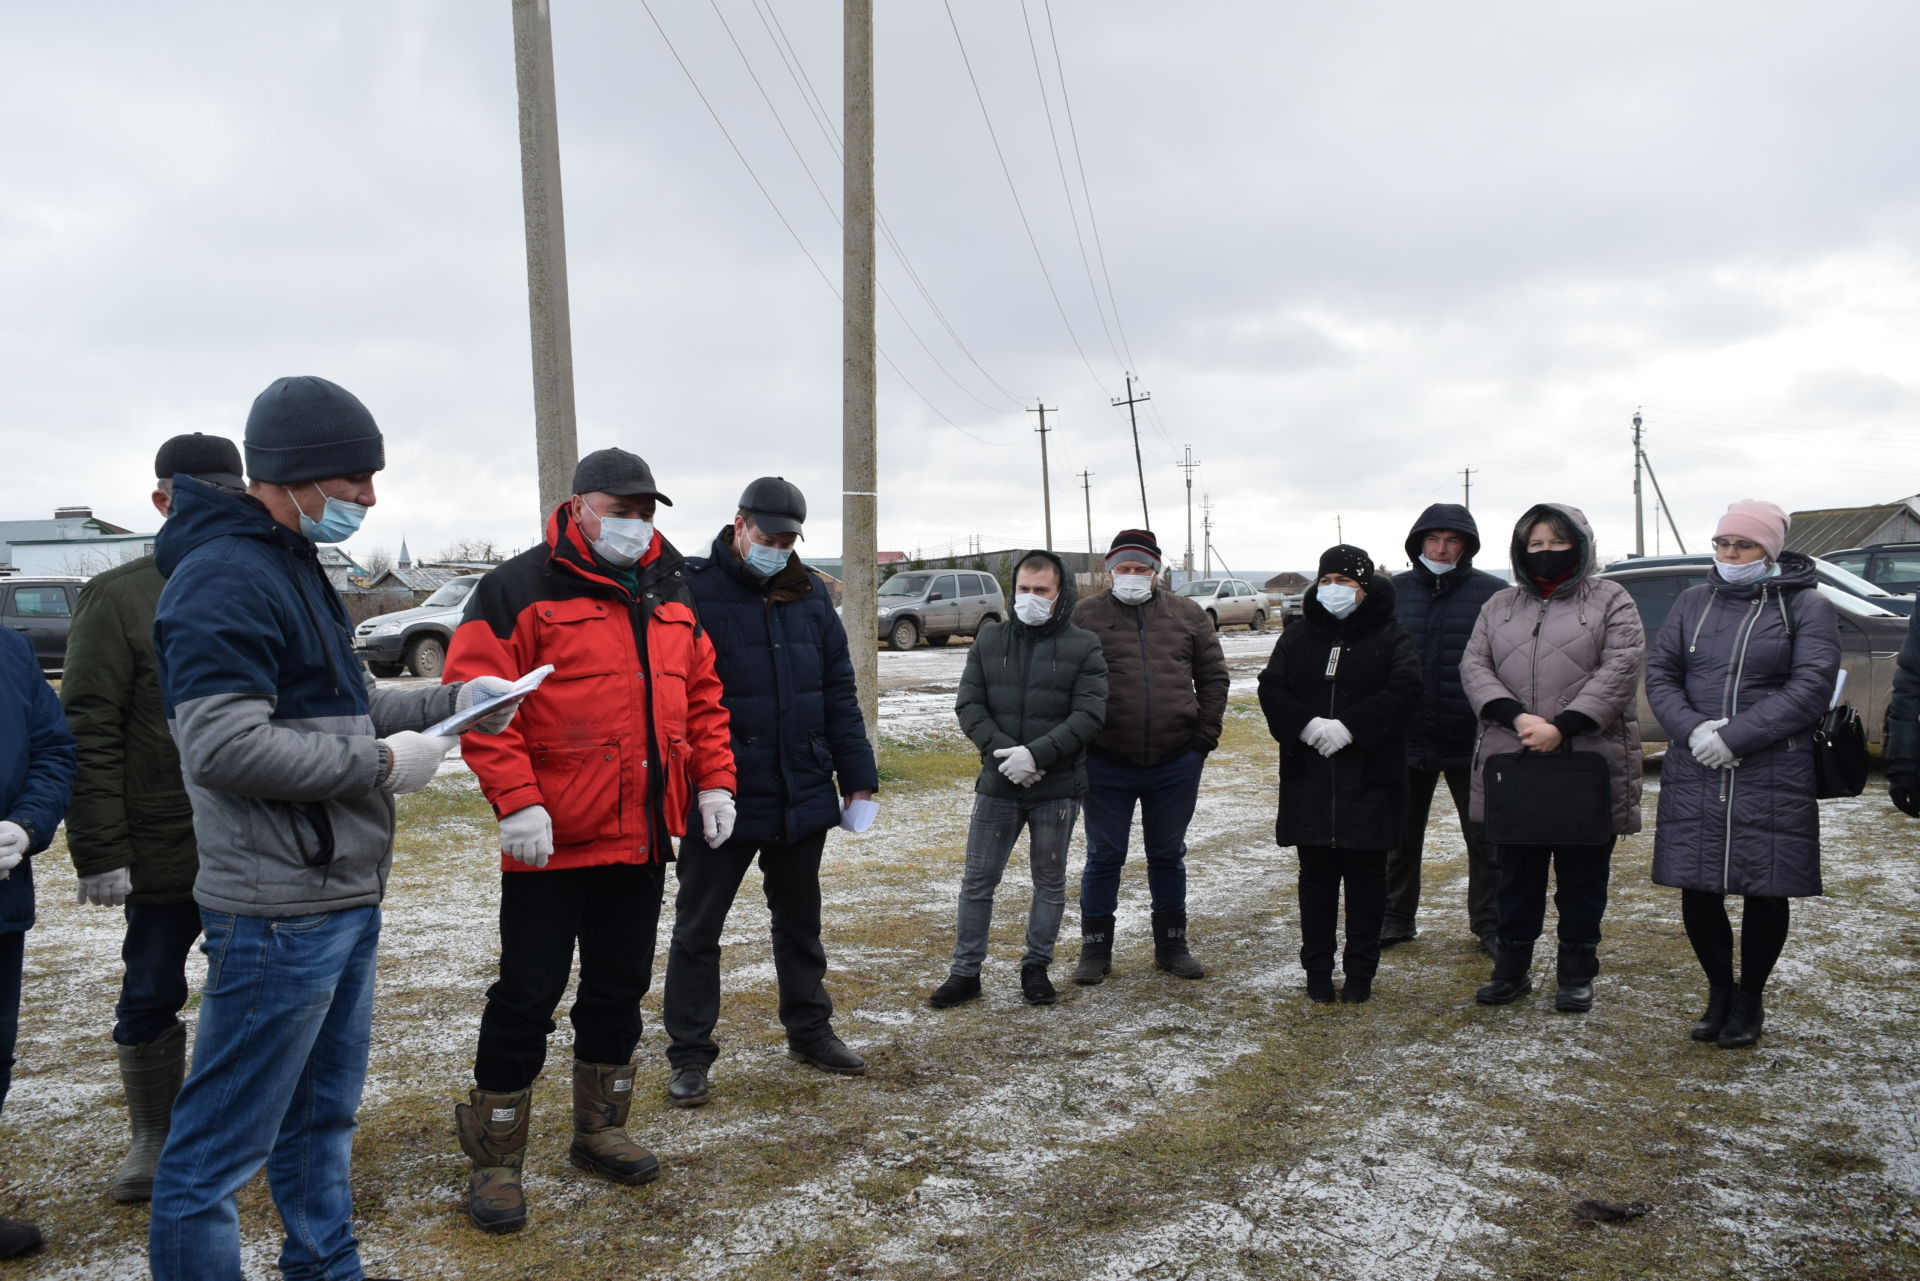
(414, 639)
(1892, 567)
(1870, 638)
(1831, 573)
(42, 608)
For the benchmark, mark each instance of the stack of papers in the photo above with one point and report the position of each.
(487, 704)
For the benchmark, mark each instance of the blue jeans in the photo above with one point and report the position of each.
(278, 1061)
(996, 826)
(1166, 794)
(153, 989)
(13, 956)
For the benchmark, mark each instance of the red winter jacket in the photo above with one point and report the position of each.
(629, 725)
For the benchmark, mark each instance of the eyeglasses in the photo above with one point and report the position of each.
(1734, 545)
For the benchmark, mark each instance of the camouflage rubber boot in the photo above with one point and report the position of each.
(493, 1134)
(602, 1093)
(151, 1074)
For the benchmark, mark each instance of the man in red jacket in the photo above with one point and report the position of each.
(602, 766)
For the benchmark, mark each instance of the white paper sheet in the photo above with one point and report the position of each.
(485, 706)
(859, 815)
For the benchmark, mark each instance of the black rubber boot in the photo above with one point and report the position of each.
(1577, 968)
(1509, 982)
(1719, 1001)
(1096, 950)
(151, 1075)
(1170, 946)
(1744, 1017)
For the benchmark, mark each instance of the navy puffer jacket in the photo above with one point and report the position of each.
(36, 768)
(1438, 611)
(787, 676)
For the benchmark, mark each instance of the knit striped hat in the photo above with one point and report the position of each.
(1136, 545)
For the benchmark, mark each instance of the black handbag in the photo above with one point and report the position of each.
(1839, 754)
(1548, 798)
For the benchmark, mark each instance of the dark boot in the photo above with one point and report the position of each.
(151, 1075)
(1096, 950)
(493, 1134)
(1744, 1017)
(1035, 987)
(1510, 981)
(17, 1238)
(1577, 967)
(1719, 1001)
(1170, 946)
(1357, 989)
(602, 1094)
(1320, 986)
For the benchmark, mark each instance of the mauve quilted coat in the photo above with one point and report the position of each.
(1726, 651)
(1581, 650)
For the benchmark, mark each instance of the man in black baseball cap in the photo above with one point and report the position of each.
(787, 677)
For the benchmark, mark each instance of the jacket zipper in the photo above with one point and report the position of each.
(1333, 765)
(1533, 670)
(1730, 707)
(1146, 683)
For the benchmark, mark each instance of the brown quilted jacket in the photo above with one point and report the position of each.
(1166, 677)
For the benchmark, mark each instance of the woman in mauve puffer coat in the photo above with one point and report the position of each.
(1740, 673)
(1555, 660)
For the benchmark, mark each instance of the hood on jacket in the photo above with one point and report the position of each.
(1062, 605)
(1376, 609)
(1582, 540)
(1797, 571)
(203, 512)
(1444, 516)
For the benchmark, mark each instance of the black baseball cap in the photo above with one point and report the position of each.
(615, 471)
(776, 505)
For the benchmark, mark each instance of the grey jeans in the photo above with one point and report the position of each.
(990, 839)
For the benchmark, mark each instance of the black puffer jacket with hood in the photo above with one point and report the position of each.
(1438, 612)
(1043, 688)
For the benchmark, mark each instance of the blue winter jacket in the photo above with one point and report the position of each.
(36, 768)
(787, 677)
(275, 719)
(1438, 611)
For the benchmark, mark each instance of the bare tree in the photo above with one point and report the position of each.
(85, 564)
(376, 562)
(481, 549)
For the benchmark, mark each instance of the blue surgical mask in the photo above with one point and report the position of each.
(1338, 599)
(339, 519)
(1737, 575)
(766, 561)
(1435, 566)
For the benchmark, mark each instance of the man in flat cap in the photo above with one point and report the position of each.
(788, 678)
(596, 777)
(130, 829)
(292, 758)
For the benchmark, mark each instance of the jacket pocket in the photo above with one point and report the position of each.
(578, 638)
(582, 787)
(679, 793)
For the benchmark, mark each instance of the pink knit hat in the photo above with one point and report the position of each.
(1758, 521)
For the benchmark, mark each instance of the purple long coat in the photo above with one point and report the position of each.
(1765, 655)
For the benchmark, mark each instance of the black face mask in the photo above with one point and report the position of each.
(1548, 566)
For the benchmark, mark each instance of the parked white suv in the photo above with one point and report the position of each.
(1229, 600)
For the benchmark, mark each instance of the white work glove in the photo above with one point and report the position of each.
(1712, 751)
(1324, 736)
(412, 759)
(716, 817)
(13, 846)
(105, 889)
(528, 835)
(496, 721)
(1017, 764)
(1701, 733)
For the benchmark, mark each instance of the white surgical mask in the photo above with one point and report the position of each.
(1435, 566)
(1736, 575)
(1032, 610)
(1132, 588)
(1338, 599)
(623, 540)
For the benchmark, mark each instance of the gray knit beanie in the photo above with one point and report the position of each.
(307, 428)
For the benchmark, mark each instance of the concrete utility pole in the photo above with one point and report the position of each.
(1086, 490)
(1131, 400)
(1466, 493)
(1639, 519)
(859, 478)
(1206, 531)
(556, 446)
(1046, 486)
(1187, 465)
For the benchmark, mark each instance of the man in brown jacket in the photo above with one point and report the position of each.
(1166, 696)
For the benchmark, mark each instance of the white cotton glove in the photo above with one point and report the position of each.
(412, 759)
(1017, 764)
(716, 817)
(13, 846)
(1324, 736)
(479, 685)
(1701, 733)
(528, 835)
(1713, 752)
(106, 889)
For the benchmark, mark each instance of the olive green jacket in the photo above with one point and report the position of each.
(130, 808)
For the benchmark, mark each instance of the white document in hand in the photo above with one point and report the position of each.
(1839, 689)
(487, 704)
(859, 815)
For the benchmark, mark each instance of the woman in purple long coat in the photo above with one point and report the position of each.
(1739, 675)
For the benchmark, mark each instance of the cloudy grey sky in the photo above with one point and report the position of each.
(1354, 249)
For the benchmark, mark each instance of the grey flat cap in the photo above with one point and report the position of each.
(615, 471)
(776, 505)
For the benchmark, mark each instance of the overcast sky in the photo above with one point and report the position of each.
(1354, 249)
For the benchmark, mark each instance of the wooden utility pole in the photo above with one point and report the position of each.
(1187, 465)
(1139, 468)
(859, 478)
(1466, 492)
(555, 444)
(1639, 518)
(1046, 486)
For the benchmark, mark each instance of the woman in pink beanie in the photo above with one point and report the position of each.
(1739, 674)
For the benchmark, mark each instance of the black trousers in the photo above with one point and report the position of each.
(709, 881)
(1322, 872)
(1580, 875)
(613, 913)
(153, 984)
(1403, 864)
